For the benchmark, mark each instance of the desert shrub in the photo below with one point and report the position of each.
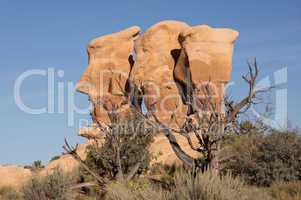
(163, 175)
(261, 159)
(84, 197)
(132, 140)
(54, 158)
(54, 186)
(37, 165)
(187, 187)
(139, 189)
(208, 186)
(167, 170)
(285, 190)
(9, 193)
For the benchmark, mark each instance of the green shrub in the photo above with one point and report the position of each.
(261, 159)
(9, 193)
(132, 140)
(51, 187)
(54, 158)
(37, 165)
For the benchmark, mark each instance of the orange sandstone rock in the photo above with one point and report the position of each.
(106, 75)
(153, 70)
(14, 176)
(206, 58)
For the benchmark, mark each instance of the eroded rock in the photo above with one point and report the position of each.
(153, 70)
(14, 176)
(209, 52)
(206, 58)
(172, 62)
(109, 66)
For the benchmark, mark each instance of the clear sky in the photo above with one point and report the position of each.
(54, 34)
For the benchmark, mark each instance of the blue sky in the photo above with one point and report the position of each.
(54, 34)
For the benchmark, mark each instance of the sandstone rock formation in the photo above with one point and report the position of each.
(206, 57)
(91, 132)
(13, 176)
(109, 66)
(65, 162)
(167, 63)
(209, 52)
(163, 153)
(153, 70)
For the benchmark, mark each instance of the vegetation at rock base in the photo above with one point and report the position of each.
(37, 165)
(263, 158)
(285, 190)
(10, 193)
(239, 160)
(54, 186)
(126, 144)
(268, 169)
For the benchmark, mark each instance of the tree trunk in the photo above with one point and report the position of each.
(214, 160)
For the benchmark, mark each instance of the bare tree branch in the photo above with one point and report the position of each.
(250, 78)
(73, 152)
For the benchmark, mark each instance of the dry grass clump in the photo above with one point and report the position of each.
(286, 191)
(138, 189)
(9, 193)
(54, 186)
(186, 187)
(208, 186)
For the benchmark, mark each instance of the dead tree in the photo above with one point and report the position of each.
(209, 128)
(112, 135)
